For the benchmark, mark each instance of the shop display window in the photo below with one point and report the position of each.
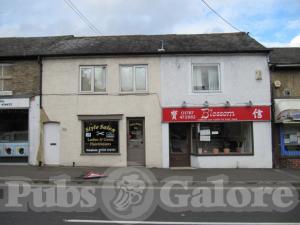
(100, 137)
(290, 140)
(229, 138)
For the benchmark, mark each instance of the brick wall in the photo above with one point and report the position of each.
(290, 163)
(24, 78)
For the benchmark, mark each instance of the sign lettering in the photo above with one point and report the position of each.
(246, 113)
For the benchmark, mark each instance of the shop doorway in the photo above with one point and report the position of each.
(136, 142)
(14, 145)
(51, 143)
(180, 134)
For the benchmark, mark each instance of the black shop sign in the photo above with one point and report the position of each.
(101, 137)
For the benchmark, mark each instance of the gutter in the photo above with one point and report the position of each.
(285, 65)
(151, 53)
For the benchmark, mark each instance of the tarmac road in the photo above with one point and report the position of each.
(239, 178)
(159, 216)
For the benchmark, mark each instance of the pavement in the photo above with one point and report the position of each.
(240, 176)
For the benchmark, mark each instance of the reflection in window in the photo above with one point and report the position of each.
(222, 138)
(126, 78)
(86, 79)
(133, 78)
(100, 79)
(205, 78)
(291, 137)
(93, 79)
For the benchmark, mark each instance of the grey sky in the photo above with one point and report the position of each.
(274, 22)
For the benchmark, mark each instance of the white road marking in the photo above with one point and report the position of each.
(105, 186)
(168, 223)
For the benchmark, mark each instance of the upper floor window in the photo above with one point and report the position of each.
(206, 78)
(133, 78)
(93, 79)
(5, 79)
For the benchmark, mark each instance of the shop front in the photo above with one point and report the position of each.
(14, 127)
(218, 137)
(287, 128)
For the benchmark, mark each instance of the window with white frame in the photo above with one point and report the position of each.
(133, 78)
(205, 78)
(93, 79)
(5, 77)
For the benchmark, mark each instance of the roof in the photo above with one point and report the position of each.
(131, 44)
(285, 56)
(27, 46)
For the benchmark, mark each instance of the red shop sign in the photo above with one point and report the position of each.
(246, 113)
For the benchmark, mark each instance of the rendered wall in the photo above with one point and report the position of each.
(238, 86)
(63, 103)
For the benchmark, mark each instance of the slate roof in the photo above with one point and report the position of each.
(131, 44)
(27, 46)
(285, 56)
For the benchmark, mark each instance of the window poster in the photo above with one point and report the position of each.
(101, 137)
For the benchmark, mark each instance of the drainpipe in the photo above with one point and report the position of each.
(41, 79)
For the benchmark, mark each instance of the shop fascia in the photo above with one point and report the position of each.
(220, 130)
(221, 114)
(13, 103)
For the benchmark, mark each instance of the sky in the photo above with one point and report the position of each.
(271, 22)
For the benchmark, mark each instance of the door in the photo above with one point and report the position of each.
(180, 144)
(135, 142)
(51, 143)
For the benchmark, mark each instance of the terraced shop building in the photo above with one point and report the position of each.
(216, 103)
(20, 71)
(157, 101)
(285, 82)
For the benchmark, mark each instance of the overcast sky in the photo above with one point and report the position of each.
(272, 22)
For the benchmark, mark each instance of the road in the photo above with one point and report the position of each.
(159, 216)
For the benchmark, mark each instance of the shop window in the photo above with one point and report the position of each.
(100, 136)
(231, 138)
(205, 78)
(93, 79)
(290, 140)
(133, 78)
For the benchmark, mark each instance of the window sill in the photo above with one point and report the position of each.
(6, 93)
(92, 93)
(230, 154)
(133, 93)
(205, 92)
(99, 154)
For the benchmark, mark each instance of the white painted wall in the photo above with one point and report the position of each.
(238, 86)
(165, 146)
(34, 129)
(238, 83)
(62, 103)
